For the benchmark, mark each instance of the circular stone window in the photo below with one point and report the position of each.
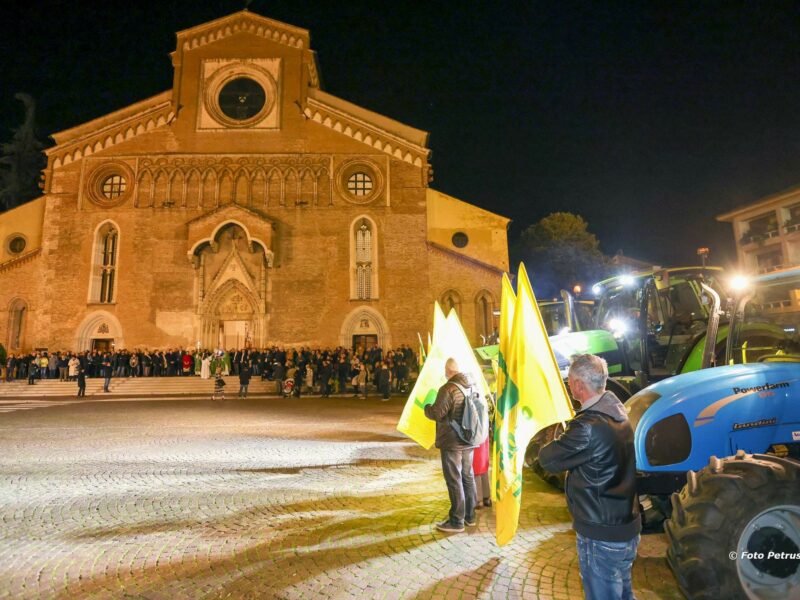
(359, 181)
(242, 98)
(460, 239)
(359, 184)
(107, 184)
(16, 244)
(113, 186)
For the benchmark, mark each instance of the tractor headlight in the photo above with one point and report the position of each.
(619, 327)
(669, 441)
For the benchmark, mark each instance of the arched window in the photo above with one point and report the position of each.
(104, 265)
(484, 317)
(18, 313)
(363, 255)
(363, 261)
(450, 300)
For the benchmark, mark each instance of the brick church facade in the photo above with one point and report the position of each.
(244, 206)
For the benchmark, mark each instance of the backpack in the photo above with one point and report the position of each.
(474, 426)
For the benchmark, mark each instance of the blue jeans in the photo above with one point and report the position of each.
(457, 470)
(606, 568)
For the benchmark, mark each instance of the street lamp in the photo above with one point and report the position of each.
(703, 254)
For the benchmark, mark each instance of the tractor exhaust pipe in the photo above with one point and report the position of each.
(710, 347)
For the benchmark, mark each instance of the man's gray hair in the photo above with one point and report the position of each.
(591, 370)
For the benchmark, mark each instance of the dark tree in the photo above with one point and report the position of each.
(560, 252)
(22, 161)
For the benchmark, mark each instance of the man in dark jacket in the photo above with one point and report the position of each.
(244, 378)
(81, 382)
(456, 455)
(597, 451)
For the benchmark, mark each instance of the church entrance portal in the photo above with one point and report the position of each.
(234, 335)
(231, 278)
(364, 342)
(104, 345)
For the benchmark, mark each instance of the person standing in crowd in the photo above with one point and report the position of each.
(147, 364)
(11, 368)
(299, 375)
(326, 374)
(310, 377)
(279, 374)
(53, 365)
(362, 380)
(480, 462)
(342, 375)
(63, 366)
(81, 382)
(107, 369)
(244, 378)
(186, 363)
(33, 368)
(456, 455)
(73, 366)
(219, 385)
(383, 379)
(597, 451)
(205, 367)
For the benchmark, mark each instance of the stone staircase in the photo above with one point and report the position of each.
(133, 387)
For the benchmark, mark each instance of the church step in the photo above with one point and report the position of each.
(132, 386)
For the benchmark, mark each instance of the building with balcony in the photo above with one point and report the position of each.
(767, 234)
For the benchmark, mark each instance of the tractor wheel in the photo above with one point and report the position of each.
(539, 441)
(728, 519)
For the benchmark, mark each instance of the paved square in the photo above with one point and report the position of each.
(264, 498)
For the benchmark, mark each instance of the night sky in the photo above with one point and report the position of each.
(647, 118)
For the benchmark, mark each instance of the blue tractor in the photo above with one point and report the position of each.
(747, 504)
(734, 523)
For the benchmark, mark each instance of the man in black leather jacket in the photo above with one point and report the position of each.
(597, 451)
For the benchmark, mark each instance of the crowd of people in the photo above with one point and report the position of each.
(325, 371)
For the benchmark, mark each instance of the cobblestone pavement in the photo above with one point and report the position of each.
(260, 499)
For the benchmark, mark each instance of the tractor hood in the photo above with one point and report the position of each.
(682, 421)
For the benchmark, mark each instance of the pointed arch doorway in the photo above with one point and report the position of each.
(232, 292)
(232, 320)
(363, 329)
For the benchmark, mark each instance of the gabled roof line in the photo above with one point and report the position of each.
(20, 260)
(110, 132)
(470, 259)
(374, 136)
(243, 22)
(229, 206)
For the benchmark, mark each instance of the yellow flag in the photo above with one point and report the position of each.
(413, 421)
(457, 346)
(533, 398)
(507, 300)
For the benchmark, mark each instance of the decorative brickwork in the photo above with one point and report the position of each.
(244, 234)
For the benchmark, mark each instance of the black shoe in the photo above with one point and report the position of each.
(448, 527)
(487, 502)
(470, 521)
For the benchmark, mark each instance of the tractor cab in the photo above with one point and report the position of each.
(764, 319)
(659, 317)
(567, 314)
